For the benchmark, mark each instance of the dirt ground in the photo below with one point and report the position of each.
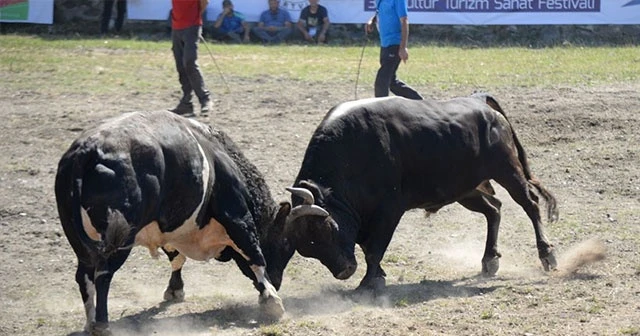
(583, 144)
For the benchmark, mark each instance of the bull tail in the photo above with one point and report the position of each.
(552, 206)
(550, 200)
(118, 229)
(117, 233)
(81, 161)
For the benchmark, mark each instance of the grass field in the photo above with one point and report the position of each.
(97, 66)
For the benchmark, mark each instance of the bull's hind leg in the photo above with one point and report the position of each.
(489, 206)
(103, 276)
(85, 280)
(175, 290)
(518, 188)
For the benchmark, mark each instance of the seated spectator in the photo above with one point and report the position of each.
(274, 25)
(314, 23)
(230, 25)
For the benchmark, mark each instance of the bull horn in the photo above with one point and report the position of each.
(306, 210)
(303, 193)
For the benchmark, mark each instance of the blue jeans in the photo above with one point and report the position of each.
(185, 52)
(386, 78)
(275, 36)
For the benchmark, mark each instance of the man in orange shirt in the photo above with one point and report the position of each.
(186, 27)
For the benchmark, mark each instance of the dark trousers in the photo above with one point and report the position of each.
(121, 9)
(185, 53)
(298, 34)
(220, 35)
(386, 78)
(267, 36)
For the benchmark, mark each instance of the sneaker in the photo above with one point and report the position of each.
(184, 109)
(206, 106)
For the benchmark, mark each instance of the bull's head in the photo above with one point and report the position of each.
(316, 233)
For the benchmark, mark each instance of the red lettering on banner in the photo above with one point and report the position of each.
(5, 3)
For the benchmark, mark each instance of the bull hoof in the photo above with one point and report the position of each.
(100, 329)
(376, 285)
(174, 295)
(490, 266)
(549, 262)
(271, 307)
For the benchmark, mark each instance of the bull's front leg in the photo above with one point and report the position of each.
(241, 229)
(374, 279)
(175, 290)
(270, 302)
(374, 247)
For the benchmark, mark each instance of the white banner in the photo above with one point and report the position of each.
(31, 11)
(449, 12)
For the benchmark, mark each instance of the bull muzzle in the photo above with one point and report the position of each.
(347, 272)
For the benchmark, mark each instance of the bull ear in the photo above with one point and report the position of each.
(281, 216)
(494, 104)
(314, 188)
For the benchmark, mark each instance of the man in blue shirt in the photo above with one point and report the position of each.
(393, 26)
(274, 25)
(230, 25)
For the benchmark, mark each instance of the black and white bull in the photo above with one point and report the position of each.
(163, 181)
(371, 160)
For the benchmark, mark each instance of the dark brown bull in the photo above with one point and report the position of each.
(369, 161)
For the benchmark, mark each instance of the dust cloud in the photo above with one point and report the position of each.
(466, 256)
(326, 302)
(580, 255)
